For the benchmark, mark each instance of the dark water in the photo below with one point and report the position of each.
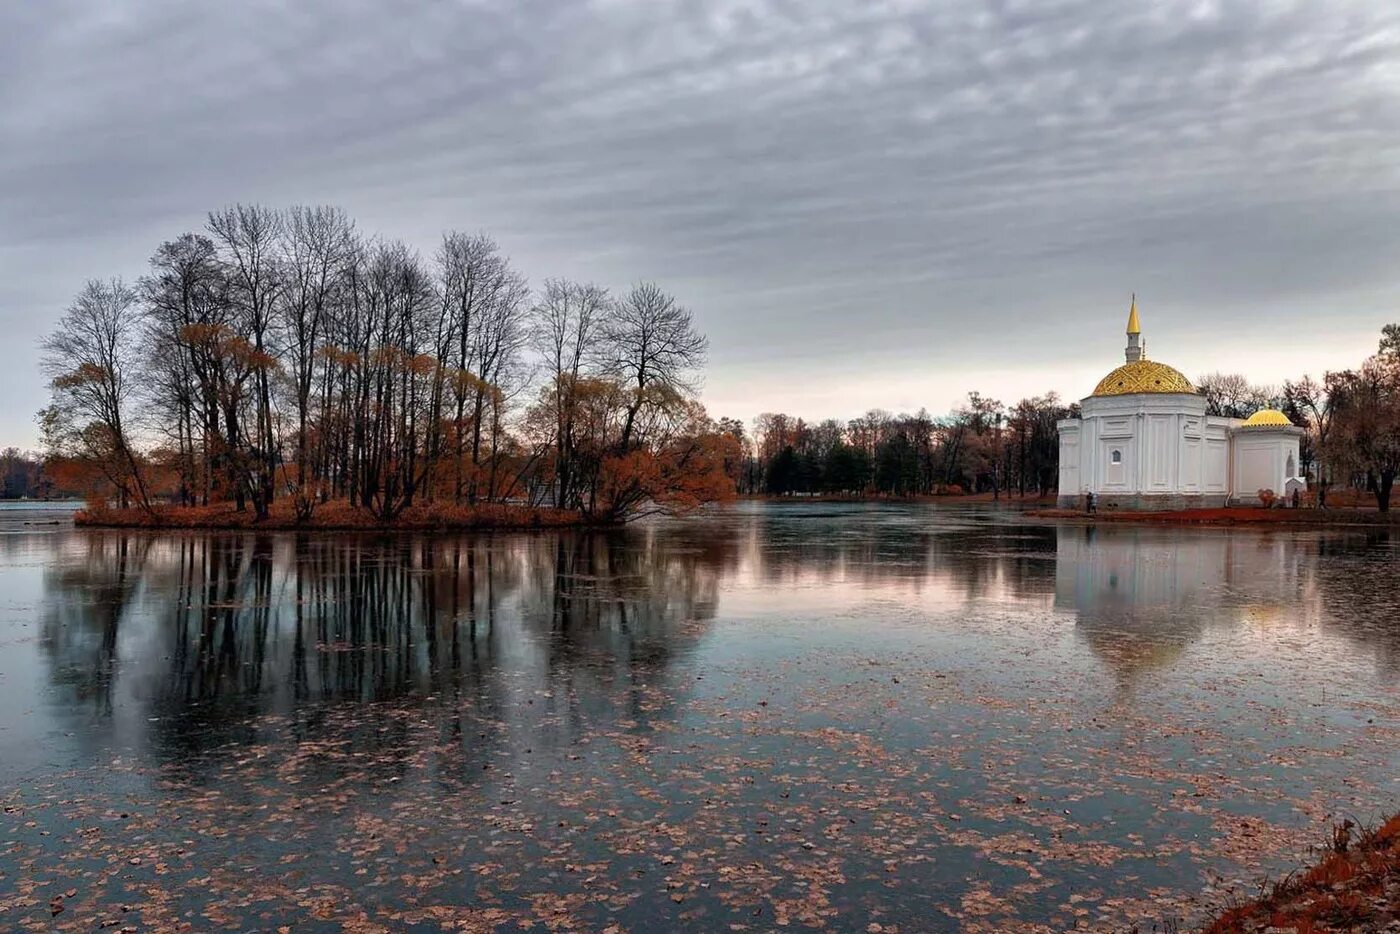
(850, 718)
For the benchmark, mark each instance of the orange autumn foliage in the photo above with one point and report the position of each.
(77, 476)
(1349, 889)
(683, 475)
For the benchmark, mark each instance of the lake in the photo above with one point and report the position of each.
(845, 717)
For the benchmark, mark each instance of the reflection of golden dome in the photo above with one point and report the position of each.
(1143, 376)
(1267, 418)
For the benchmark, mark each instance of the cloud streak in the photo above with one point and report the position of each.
(921, 189)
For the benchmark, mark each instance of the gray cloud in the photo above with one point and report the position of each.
(875, 203)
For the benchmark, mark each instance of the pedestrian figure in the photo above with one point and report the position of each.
(1089, 502)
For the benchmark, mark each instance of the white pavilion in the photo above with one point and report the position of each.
(1144, 441)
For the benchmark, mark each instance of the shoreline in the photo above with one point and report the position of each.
(338, 517)
(979, 498)
(1231, 516)
(1355, 886)
(1037, 507)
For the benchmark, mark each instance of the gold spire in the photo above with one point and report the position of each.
(1134, 326)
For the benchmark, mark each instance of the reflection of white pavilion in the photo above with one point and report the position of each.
(1140, 596)
(1144, 441)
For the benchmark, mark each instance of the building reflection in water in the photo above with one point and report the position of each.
(1142, 595)
(186, 640)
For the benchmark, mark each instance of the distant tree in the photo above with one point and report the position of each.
(21, 474)
(1390, 340)
(319, 245)
(847, 469)
(783, 472)
(1230, 395)
(897, 465)
(92, 359)
(985, 418)
(566, 329)
(1305, 403)
(655, 350)
(250, 237)
(1032, 423)
(1368, 422)
(740, 454)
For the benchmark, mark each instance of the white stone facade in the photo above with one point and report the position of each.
(1160, 450)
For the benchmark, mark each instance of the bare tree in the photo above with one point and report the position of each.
(319, 244)
(500, 334)
(1390, 341)
(1231, 395)
(285, 357)
(91, 359)
(1314, 405)
(250, 237)
(187, 307)
(483, 301)
(1368, 422)
(567, 325)
(656, 350)
(398, 382)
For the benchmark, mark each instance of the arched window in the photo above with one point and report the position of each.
(1116, 457)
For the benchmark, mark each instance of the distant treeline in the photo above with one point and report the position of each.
(22, 475)
(983, 446)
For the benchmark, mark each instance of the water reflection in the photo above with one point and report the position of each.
(1141, 596)
(810, 690)
(228, 625)
(207, 629)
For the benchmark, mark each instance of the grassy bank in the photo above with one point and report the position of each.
(1355, 887)
(338, 515)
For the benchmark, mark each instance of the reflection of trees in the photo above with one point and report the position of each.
(899, 547)
(195, 639)
(1359, 590)
(81, 626)
(612, 611)
(222, 629)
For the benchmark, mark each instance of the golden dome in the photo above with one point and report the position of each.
(1267, 418)
(1143, 376)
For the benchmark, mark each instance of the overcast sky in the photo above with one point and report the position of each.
(867, 204)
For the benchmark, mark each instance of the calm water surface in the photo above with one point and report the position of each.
(880, 718)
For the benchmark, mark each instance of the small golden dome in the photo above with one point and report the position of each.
(1143, 376)
(1267, 418)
